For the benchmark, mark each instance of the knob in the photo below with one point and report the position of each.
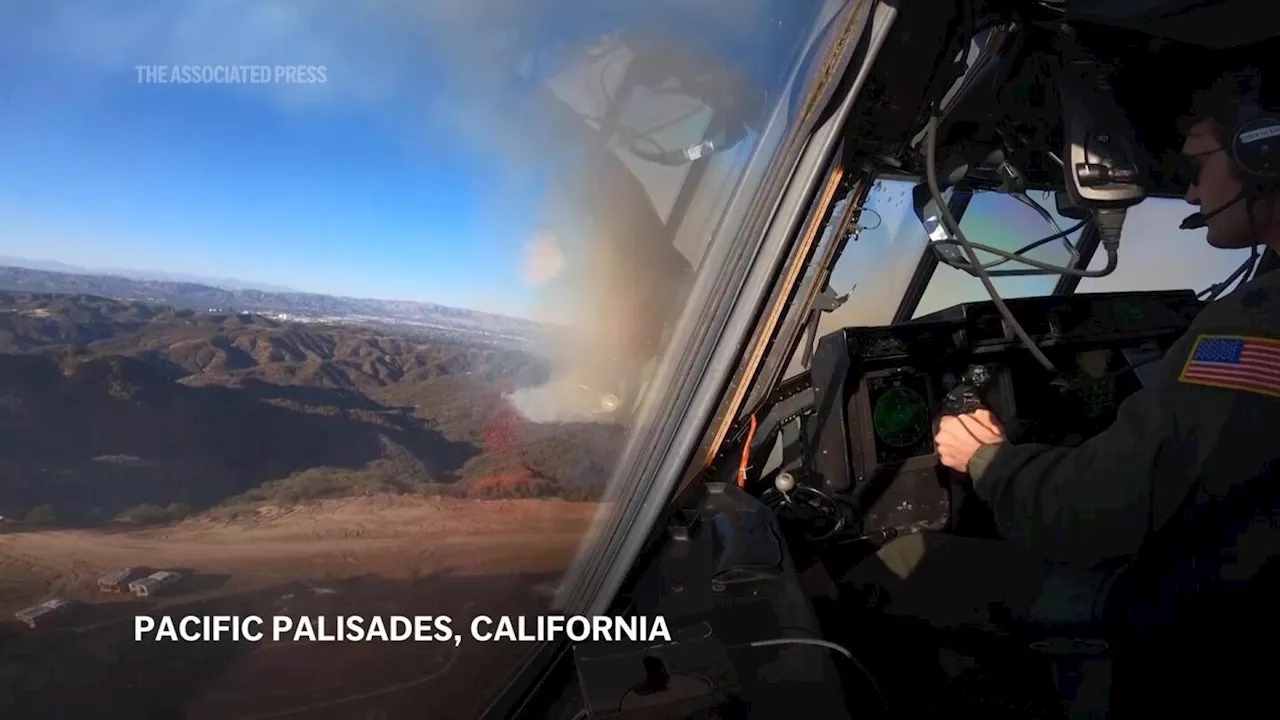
(977, 375)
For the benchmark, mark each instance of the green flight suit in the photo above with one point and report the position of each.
(1202, 426)
(1194, 429)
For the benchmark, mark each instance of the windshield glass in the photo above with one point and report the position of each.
(339, 310)
(1156, 255)
(1003, 222)
(878, 264)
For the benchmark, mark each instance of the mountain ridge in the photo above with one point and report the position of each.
(225, 283)
(299, 306)
(107, 406)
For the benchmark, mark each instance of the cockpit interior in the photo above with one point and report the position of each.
(804, 474)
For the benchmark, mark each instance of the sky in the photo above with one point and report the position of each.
(412, 171)
(1154, 254)
(361, 185)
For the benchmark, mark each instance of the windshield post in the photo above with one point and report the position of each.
(1087, 246)
(927, 265)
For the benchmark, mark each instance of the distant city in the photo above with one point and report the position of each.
(230, 296)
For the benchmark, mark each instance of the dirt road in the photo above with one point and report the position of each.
(362, 557)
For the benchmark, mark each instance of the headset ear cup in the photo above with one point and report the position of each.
(1255, 148)
(1255, 139)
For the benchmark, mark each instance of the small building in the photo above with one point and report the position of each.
(154, 584)
(46, 613)
(119, 580)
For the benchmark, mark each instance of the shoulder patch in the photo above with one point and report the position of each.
(1235, 362)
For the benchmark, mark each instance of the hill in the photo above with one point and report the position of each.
(425, 320)
(114, 409)
(130, 273)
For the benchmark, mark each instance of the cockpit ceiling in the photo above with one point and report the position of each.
(1216, 24)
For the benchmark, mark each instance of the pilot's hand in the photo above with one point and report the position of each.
(960, 436)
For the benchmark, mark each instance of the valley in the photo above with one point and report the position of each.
(107, 406)
(317, 468)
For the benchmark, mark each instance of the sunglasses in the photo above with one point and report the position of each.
(1187, 167)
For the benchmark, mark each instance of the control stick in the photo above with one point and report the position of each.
(969, 394)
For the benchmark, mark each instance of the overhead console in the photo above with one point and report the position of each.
(879, 391)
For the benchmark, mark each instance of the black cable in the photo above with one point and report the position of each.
(980, 269)
(1022, 250)
(1023, 198)
(1047, 268)
(859, 227)
(835, 647)
(1215, 291)
(953, 228)
(776, 500)
(1255, 262)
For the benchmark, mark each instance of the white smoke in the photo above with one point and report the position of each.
(563, 402)
(600, 259)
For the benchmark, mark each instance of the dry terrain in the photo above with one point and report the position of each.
(114, 411)
(284, 468)
(380, 555)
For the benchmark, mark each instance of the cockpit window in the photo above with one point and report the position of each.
(876, 265)
(1002, 221)
(343, 312)
(876, 268)
(1156, 255)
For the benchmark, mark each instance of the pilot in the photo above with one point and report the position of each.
(1072, 518)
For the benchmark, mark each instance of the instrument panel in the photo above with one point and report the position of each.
(879, 391)
(901, 414)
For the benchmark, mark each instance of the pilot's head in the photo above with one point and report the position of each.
(1248, 211)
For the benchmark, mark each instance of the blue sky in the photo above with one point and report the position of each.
(348, 187)
(410, 173)
(1154, 254)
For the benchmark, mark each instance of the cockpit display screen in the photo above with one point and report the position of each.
(900, 415)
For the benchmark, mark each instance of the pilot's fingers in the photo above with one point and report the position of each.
(951, 458)
(967, 429)
(957, 425)
(983, 424)
(947, 424)
(978, 430)
(952, 435)
(951, 426)
(987, 418)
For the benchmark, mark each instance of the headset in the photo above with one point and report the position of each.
(1255, 139)
(1253, 144)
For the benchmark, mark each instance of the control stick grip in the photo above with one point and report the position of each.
(970, 393)
(963, 399)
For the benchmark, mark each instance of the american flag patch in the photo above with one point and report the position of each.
(1251, 364)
